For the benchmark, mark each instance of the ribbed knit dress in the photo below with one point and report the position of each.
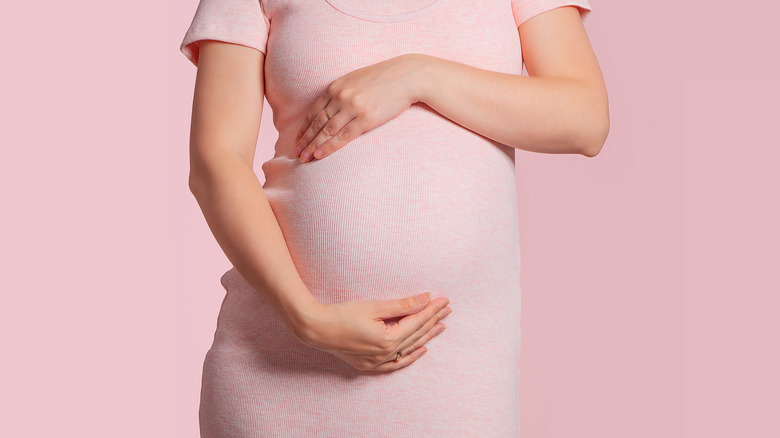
(419, 203)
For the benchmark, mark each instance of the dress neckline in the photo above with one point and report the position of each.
(366, 14)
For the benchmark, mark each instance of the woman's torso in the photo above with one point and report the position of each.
(418, 203)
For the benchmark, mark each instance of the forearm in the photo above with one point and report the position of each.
(547, 115)
(240, 217)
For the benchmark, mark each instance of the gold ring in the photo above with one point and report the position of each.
(397, 356)
(327, 114)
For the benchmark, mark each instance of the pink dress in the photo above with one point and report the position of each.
(417, 204)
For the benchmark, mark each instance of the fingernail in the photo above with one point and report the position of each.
(305, 156)
(318, 153)
(422, 298)
(297, 150)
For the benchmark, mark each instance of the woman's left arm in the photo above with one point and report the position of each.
(561, 107)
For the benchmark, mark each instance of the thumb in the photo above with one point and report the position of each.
(403, 306)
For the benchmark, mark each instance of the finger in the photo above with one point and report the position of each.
(317, 122)
(436, 330)
(312, 124)
(307, 119)
(409, 324)
(428, 329)
(346, 135)
(387, 309)
(329, 129)
(316, 107)
(407, 360)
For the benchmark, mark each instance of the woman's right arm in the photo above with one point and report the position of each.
(226, 114)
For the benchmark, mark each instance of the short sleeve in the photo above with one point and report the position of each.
(233, 21)
(525, 9)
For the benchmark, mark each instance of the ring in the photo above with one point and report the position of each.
(397, 356)
(327, 114)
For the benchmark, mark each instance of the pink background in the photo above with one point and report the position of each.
(649, 306)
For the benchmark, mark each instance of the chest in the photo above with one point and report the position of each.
(313, 42)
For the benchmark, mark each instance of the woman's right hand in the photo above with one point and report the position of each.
(363, 333)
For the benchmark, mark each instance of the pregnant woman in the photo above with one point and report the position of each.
(393, 177)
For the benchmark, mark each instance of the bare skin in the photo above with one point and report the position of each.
(561, 107)
(227, 107)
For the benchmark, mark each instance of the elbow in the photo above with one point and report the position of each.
(193, 184)
(196, 182)
(596, 137)
(201, 168)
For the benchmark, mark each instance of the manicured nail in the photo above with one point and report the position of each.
(318, 153)
(304, 156)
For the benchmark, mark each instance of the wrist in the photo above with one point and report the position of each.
(302, 316)
(422, 82)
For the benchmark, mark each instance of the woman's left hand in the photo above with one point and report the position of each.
(357, 102)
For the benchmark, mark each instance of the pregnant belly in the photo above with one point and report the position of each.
(368, 223)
